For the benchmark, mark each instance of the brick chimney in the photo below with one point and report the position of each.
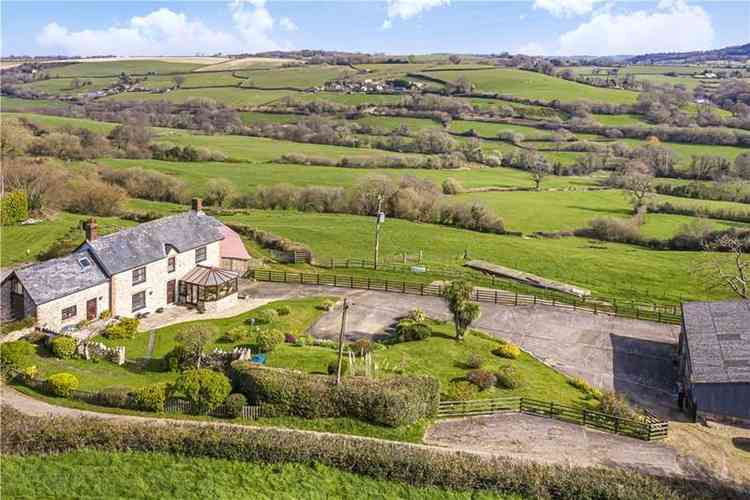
(89, 228)
(197, 205)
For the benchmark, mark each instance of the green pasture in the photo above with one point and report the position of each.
(255, 118)
(300, 78)
(9, 104)
(233, 97)
(114, 68)
(531, 85)
(207, 79)
(64, 86)
(606, 268)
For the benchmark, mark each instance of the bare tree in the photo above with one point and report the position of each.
(178, 80)
(455, 59)
(638, 183)
(732, 271)
(219, 191)
(538, 169)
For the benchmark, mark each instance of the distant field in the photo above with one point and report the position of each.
(301, 78)
(247, 62)
(686, 151)
(234, 97)
(560, 210)
(621, 120)
(606, 268)
(117, 66)
(394, 122)
(60, 121)
(8, 104)
(194, 80)
(532, 85)
(64, 86)
(251, 117)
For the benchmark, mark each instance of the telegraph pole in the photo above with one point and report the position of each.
(379, 219)
(341, 339)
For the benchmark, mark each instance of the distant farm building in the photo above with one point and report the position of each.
(714, 371)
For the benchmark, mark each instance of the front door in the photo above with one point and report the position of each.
(170, 291)
(91, 312)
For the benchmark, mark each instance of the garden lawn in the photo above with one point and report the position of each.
(98, 474)
(304, 312)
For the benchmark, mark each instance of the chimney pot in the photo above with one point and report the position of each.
(89, 228)
(197, 205)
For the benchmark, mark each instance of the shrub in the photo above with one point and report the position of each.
(417, 315)
(409, 330)
(361, 347)
(391, 401)
(235, 334)
(266, 316)
(62, 384)
(327, 305)
(452, 186)
(205, 389)
(474, 361)
(615, 404)
(14, 207)
(63, 347)
(151, 397)
(176, 358)
(509, 377)
(268, 340)
(114, 398)
(481, 378)
(105, 315)
(291, 339)
(507, 350)
(234, 404)
(16, 355)
(126, 328)
(333, 366)
(283, 310)
(580, 384)
(461, 391)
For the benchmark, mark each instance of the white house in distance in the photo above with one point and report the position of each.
(172, 260)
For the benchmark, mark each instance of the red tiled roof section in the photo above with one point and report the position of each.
(231, 247)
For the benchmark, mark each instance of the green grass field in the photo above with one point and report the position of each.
(115, 67)
(608, 269)
(234, 97)
(8, 104)
(254, 118)
(299, 78)
(97, 474)
(64, 86)
(23, 243)
(532, 85)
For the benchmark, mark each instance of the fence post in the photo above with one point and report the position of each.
(584, 417)
(495, 296)
(594, 307)
(516, 303)
(318, 275)
(285, 281)
(421, 289)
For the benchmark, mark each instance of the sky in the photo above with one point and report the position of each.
(532, 27)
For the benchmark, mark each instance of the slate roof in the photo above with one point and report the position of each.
(718, 339)
(55, 278)
(145, 243)
(209, 276)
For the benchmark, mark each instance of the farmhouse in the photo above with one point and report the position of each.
(714, 371)
(172, 260)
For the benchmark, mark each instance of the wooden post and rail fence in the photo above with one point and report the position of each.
(647, 428)
(662, 313)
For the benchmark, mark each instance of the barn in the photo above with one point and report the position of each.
(714, 364)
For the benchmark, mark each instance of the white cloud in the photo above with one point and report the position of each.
(673, 26)
(532, 49)
(165, 32)
(287, 24)
(567, 8)
(406, 9)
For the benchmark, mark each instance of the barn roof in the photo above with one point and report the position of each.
(718, 339)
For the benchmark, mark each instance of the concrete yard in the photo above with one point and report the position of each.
(545, 440)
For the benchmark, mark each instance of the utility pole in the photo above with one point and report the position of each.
(379, 219)
(341, 339)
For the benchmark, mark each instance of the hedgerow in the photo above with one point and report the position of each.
(391, 401)
(411, 464)
(14, 207)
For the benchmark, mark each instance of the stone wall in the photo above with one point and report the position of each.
(92, 349)
(49, 315)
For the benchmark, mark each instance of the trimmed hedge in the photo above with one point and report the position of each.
(204, 388)
(391, 401)
(62, 384)
(126, 328)
(14, 207)
(411, 464)
(63, 347)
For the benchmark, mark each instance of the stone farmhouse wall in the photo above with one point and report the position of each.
(157, 276)
(49, 315)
